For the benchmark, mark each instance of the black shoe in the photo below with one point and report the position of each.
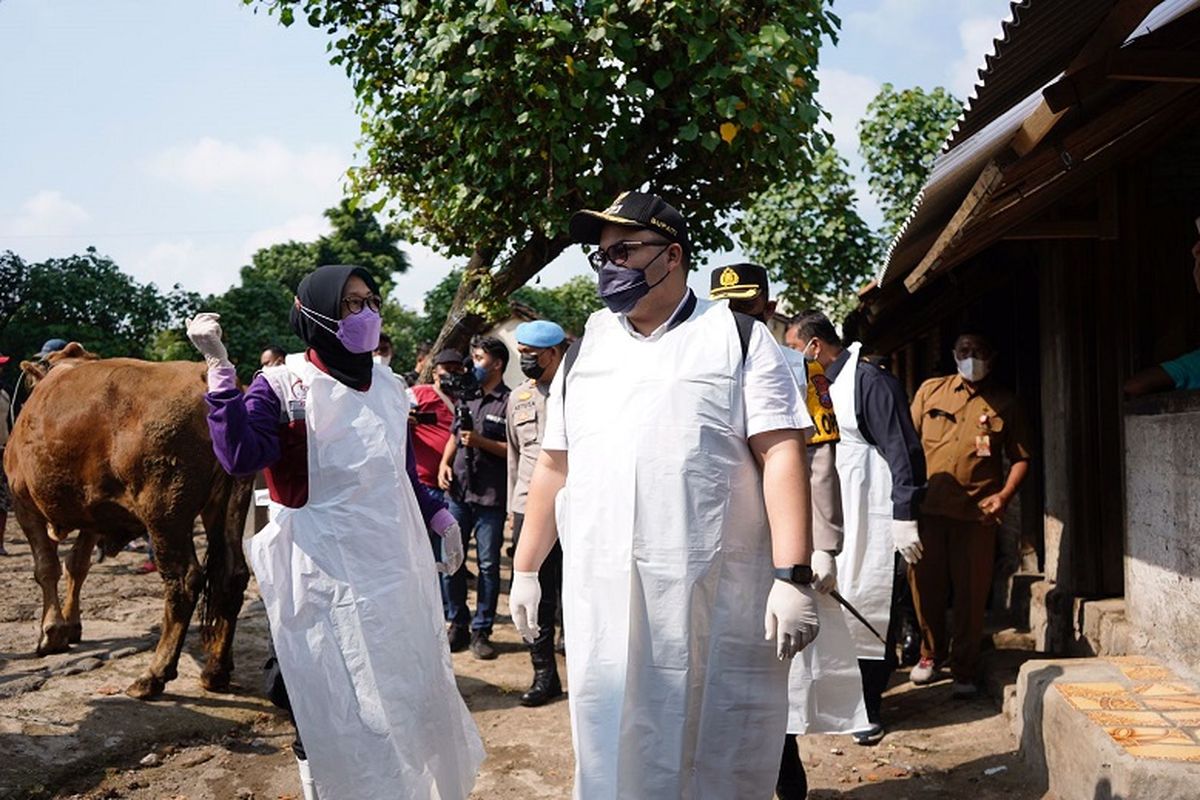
(481, 646)
(792, 783)
(546, 686)
(869, 736)
(459, 636)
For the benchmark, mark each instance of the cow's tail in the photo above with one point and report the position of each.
(225, 570)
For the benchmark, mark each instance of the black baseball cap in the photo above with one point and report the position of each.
(448, 356)
(738, 282)
(633, 210)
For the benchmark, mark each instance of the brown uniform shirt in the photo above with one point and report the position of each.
(526, 427)
(966, 433)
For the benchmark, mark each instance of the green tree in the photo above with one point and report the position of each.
(569, 304)
(808, 234)
(492, 122)
(84, 298)
(899, 138)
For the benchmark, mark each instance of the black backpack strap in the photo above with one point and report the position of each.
(745, 327)
(569, 361)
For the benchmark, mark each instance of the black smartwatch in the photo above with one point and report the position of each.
(798, 573)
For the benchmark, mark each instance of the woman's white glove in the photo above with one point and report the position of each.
(791, 618)
(523, 598)
(205, 332)
(907, 539)
(452, 550)
(824, 569)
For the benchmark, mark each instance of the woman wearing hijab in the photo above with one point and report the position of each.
(344, 567)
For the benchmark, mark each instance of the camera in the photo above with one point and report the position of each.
(462, 386)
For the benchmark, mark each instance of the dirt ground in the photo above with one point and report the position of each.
(68, 731)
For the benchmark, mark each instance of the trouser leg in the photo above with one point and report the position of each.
(972, 556)
(276, 692)
(489, 539)
(550, 579)
(792, 783)
(455, 586)
(929, 580)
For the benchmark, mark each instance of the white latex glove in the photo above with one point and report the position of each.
(791, 618)
(824, 569)
(452, 550)
(523, 598)
(908, 541)
(205, 332)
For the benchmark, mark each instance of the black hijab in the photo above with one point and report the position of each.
(321, 291)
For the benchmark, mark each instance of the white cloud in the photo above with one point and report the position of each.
(845, 96)
(266, 167)
(45, 214)
(305, 228)
(200, 268)
(977, 36)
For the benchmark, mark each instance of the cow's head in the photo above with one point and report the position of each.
(70, 356)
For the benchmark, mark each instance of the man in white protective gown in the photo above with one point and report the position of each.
(673, 471)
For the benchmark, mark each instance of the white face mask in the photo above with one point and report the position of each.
(380, 360)
(973, 369)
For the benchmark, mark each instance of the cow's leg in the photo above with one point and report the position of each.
(53, 637)
(78, 564)
(227, 575)
(183, 579)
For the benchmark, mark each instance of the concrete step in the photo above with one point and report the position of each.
(1101, 628)
(1109, 727)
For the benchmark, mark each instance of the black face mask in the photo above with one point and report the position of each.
(530, 366)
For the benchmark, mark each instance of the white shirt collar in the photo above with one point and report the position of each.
(661, 329)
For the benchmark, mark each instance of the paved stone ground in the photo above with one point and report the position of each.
(77, 736)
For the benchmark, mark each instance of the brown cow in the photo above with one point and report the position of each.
(116, 449)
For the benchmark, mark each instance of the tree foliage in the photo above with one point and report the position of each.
(899, 138)
(84, 298)
(569, 304)
(808, 234)
(491, 122)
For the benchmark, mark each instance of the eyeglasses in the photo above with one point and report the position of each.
(618, 253)
(355, 304)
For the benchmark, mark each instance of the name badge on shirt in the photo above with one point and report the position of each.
(983, 445)
(295, 410)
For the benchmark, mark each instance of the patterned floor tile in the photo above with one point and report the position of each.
(1164, 689)
(1127, 718)
(1166, 751)
(1148, 672)
(1179, 702)
(1098, 697)
(1127, 736)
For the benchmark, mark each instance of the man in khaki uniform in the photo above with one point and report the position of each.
(541, 344)
(968, 426)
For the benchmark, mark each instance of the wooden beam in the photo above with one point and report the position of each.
(1060, 229)
(987, 181)
(1160, 66)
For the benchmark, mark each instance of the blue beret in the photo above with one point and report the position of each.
(540, 333)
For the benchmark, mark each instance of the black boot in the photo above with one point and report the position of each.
(545, 688)
(792, 783)
(546, 685)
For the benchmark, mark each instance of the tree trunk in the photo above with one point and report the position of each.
(482, 289)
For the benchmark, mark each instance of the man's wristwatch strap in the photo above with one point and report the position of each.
(797, 573)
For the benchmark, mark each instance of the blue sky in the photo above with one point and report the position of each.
(180, 136)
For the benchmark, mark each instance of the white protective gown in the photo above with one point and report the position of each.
(866, 564)
(351, 594)
(824, 684)
(666, 568)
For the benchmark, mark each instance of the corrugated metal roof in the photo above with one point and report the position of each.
(1038, 40)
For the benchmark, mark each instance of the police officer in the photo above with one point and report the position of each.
(540, 345)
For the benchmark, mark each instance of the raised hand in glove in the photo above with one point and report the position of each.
(824, 569)
(791, 618)
(907, 540)
(205, 332)
(452, 550)
(523, 598)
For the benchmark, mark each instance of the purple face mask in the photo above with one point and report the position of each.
(358, 333)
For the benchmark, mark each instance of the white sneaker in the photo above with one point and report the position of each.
(924, 672)
(963, 691)
(306, 780)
